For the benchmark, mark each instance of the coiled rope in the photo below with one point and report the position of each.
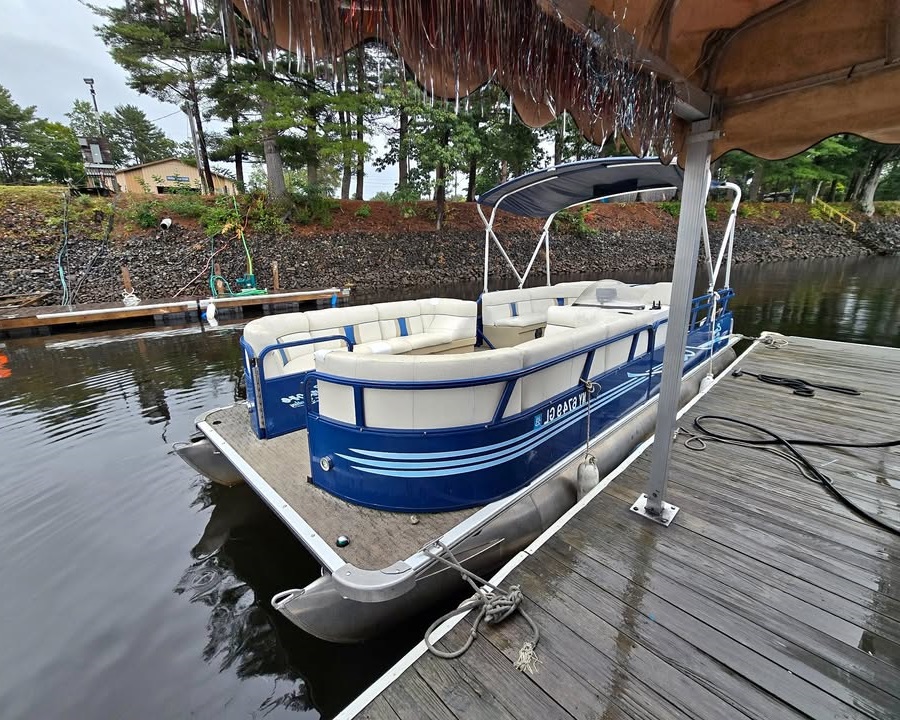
(493, 607)
(801, 387)
(787, 449)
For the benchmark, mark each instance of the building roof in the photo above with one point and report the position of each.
(168, 160)
(775, 76)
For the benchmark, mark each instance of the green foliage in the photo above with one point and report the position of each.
(363, 211)
(132, 138)
(574, 222)
(749, 210)
(672, 207)
(888, 208)
(407, 200)
(382, 196)
(33, 149)
(145, 214)
(712, 213)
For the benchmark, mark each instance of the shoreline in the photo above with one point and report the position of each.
(385, 252)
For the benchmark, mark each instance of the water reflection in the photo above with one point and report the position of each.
(92, 500)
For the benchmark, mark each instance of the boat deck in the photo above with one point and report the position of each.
(279, 469)
(766, 598)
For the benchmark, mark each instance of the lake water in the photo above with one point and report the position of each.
(131, 588)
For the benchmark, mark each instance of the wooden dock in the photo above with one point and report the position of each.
(30, 319)
(766, 598)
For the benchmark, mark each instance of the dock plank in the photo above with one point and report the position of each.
(766, 598)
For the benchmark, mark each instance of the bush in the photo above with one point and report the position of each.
(673, 207)
(145, 214)
(888, 208)
(712, 212)
(406, 199)
(574, 221)
(363, 211)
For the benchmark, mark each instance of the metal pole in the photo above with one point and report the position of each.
(696, 168)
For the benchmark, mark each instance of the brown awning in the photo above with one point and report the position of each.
(776, 75)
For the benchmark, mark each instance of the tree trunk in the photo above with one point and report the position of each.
(201, 134)
(360, 121)
(473, 178)
(832, 189)
(558, 142)
(275, 184)
(344, 123)
(346, 155)
(759, 173)
(440, 184)
(403, 151)
(872, 177)
(504, 171)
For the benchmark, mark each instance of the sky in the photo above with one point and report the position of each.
(48, 47)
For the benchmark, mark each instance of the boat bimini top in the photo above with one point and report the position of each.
(546, 193)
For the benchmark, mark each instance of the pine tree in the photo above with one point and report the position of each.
(160, 45)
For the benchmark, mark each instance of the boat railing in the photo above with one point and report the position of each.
(711, 302)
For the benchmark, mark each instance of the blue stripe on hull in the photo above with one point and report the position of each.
(439, 470)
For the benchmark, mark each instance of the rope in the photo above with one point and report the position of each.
(786, 448)
(493, 607)
(800, 387)
(773, 341)
(589, 387)
(130, 299)
(63, 251)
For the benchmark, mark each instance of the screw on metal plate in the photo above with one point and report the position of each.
(664, 518)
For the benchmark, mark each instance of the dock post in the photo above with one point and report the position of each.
(275, 284)
(220, 286)
(698, 145)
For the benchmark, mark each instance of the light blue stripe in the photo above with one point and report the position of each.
(348, 331)
(499, 457)
(480, 466)
(484, 448)
(403, 330)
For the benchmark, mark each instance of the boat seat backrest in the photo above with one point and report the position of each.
(502, 304)
(357, 322)
(417, 409)
(367, 326)
(549, 382)
(274, 329)
(448, 315)
(399, 319)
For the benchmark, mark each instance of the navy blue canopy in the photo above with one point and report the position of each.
(544, 192)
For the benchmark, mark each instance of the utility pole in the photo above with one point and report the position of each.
(186, 108)
(90, 83)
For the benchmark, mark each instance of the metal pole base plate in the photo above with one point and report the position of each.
(664, 518)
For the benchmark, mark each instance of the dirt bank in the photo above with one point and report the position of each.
(372, 245)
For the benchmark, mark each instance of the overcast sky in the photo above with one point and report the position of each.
(48, 47)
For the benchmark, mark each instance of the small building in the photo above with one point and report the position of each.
(169, 175)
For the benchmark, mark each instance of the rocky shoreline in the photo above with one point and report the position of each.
(163, 262)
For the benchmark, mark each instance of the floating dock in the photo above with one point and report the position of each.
(30, 320)
(766, 598)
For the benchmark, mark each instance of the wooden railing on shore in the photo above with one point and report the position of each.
(835, 215)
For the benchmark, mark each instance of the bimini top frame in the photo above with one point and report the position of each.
(545, 193)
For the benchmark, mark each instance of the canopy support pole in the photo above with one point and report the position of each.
(652, 504)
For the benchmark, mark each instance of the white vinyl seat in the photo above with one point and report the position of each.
(429, 326)
(511, 317)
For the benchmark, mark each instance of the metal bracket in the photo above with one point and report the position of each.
(374, 585)
(665, 518)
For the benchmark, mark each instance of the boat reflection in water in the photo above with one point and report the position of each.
(243, 557)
